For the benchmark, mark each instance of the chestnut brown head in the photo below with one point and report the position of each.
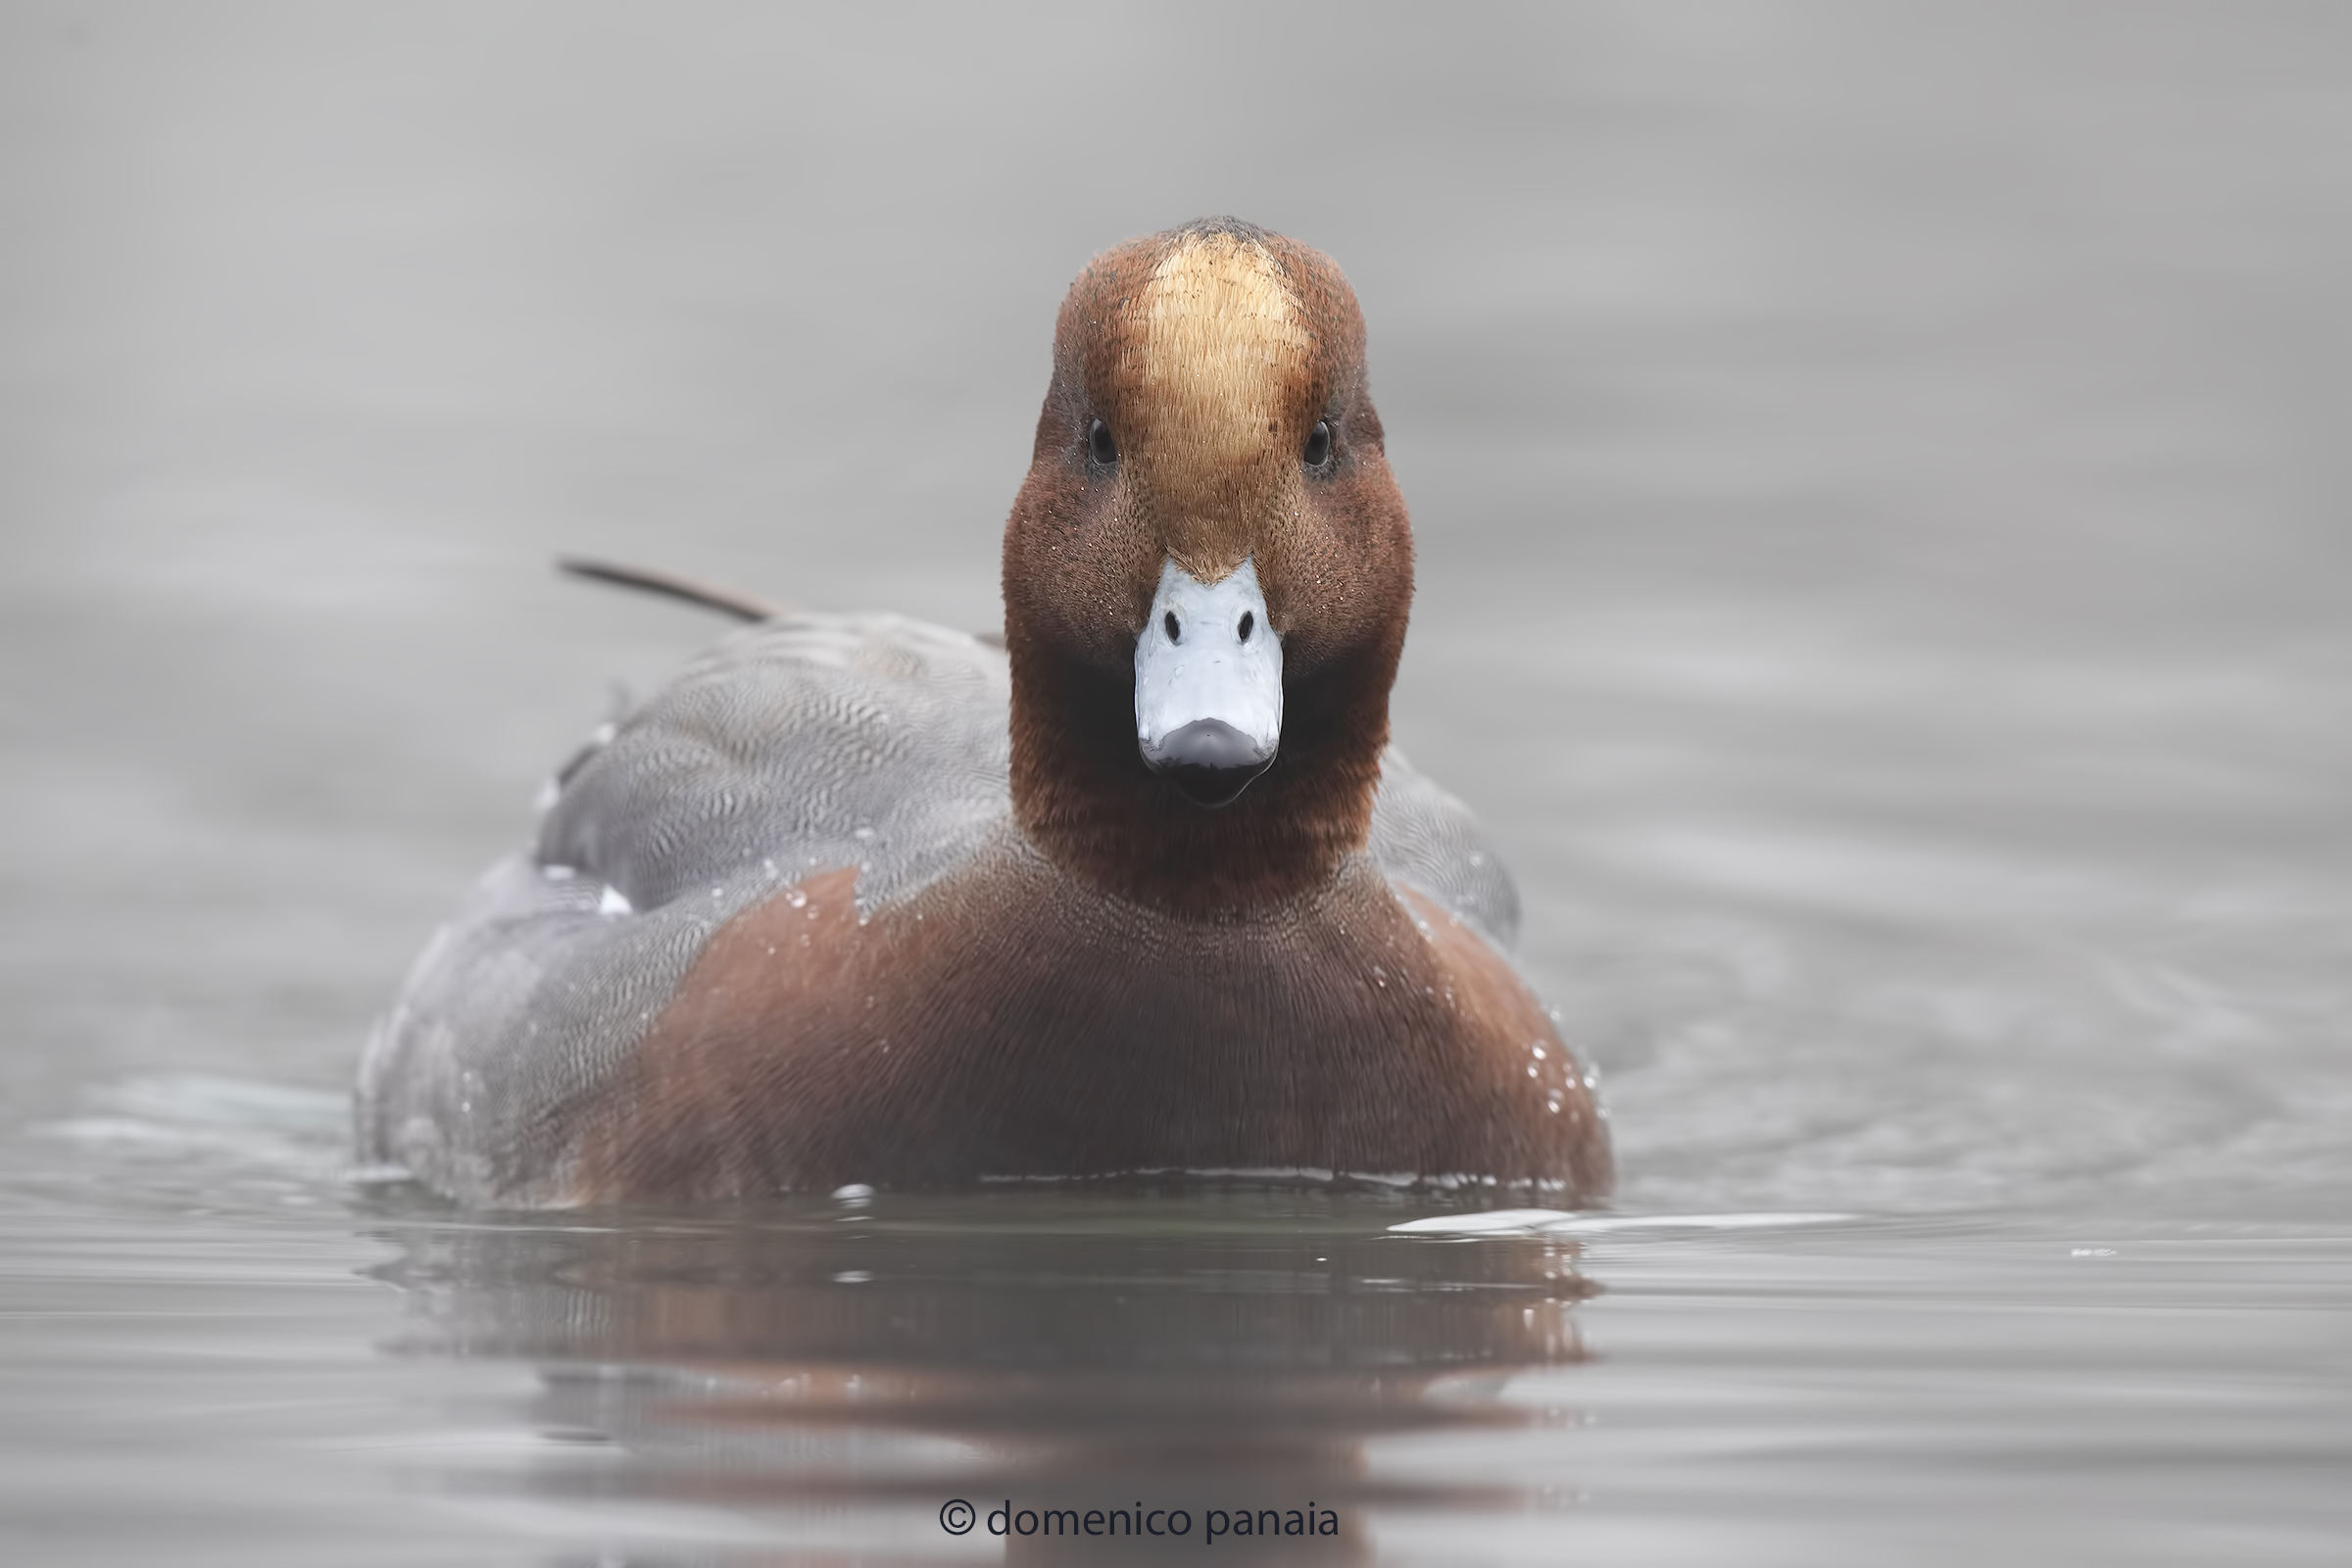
(1208, 568)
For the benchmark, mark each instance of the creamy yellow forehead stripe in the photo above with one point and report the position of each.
(1219, 327)
(1222, 337)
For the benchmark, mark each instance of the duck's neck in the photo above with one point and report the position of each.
(1083, 797)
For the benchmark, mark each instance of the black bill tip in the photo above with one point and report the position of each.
(1209, 760)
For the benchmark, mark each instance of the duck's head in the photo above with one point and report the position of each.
(1209, 570)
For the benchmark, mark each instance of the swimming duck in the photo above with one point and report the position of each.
(862, 899)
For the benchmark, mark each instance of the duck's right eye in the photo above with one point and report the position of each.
(1100, 445)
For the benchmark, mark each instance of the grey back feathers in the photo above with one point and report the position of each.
(800, 745)
(1427, 839)
(804, 744)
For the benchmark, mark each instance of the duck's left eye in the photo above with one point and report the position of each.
(1104, 450)
(1318, 445)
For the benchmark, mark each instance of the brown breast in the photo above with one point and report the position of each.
(1008, 1020)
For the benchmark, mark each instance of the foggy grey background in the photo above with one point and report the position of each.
(1884, 517)
(1879, 465)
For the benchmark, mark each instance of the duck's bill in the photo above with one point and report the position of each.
(1209, 684)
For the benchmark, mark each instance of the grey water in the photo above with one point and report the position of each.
(1886, 579)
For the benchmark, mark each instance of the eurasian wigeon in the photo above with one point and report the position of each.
(858, 899)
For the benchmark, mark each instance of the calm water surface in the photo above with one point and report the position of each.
(1885, 579)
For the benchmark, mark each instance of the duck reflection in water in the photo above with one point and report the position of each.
(855, 1367)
